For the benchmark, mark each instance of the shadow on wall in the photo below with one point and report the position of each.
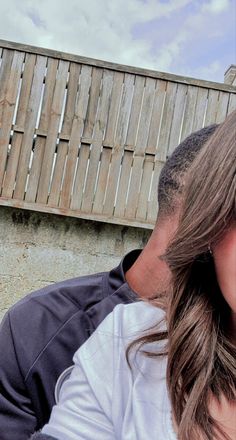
(38, 249)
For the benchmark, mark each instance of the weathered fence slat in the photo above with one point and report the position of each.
(142, 207)
(166, 121)
(212, 104)
(76, 133)
(131, 140)
(54, 195)
(189, 113)
(7, 57)
(77, 195)
(53, 128)
(12, 163)
(200, 109)
(96, 145)
(152, 202)
(14, 154)
(135, 112)
(102, 180)
(72, 90)
(176, 126)
(232, 103)
(29, 130)
(142, 138)
(90, 120)
(154, 130)
(8, 108)
(119, 141)
(123, 184)
(40, 141)
(222, 107)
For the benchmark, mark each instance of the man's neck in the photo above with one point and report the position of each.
(150, 274)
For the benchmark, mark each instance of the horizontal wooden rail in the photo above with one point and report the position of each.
(114, 66)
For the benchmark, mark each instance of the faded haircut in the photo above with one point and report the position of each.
(171, 181)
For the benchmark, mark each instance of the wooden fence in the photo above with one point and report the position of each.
(87, 138)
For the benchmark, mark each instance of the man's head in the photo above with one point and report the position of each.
(173, 174)
(150, 275)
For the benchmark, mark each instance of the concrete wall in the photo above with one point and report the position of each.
(38, 249)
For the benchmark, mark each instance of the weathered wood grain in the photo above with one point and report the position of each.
(124, 95)
(40, 141)
(76, 133)
(14, 154)
(29, 129)
(10, 95)
(50, 146)
(96, 146)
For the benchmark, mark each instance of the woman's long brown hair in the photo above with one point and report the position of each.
(201, 355)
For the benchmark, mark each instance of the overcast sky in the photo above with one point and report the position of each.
(192, 38)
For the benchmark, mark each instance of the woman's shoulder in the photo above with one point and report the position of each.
(125, 323)
(132, 319)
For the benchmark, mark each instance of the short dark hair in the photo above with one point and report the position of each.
(171, 181)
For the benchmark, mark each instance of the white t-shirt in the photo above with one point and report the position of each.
(106, 400)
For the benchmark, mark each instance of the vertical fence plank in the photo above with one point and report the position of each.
(102, 180)
(8, 109)
(70, 105)
(130, 143)
(31, 117)
(212, 104)
(222, 107)
(11, 170)
(152, 202)
(77, 195)
(142, 208)
(108, 98)
(40, 141)
(52, 134)
(62, 148)
(7, 58)
(135, 112)
(98, 135)
(123, 184)
(119, 142)
(166, 121)
(176, 126)
(189, 113)
(76, 133)
(232, 103)
(27, 79)
(54, 195)
(142, 137)
(200, 109)
(9, 180)
(114, 108)
(93, 102)
(155, 124)
(90, 120)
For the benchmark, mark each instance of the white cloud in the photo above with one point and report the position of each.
(104, 28)
(99, 29)
(216, 6)
(208, 71)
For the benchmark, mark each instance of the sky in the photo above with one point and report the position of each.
(191, 38)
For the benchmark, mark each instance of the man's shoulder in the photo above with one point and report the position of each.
(77, 292)
(50, 312)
